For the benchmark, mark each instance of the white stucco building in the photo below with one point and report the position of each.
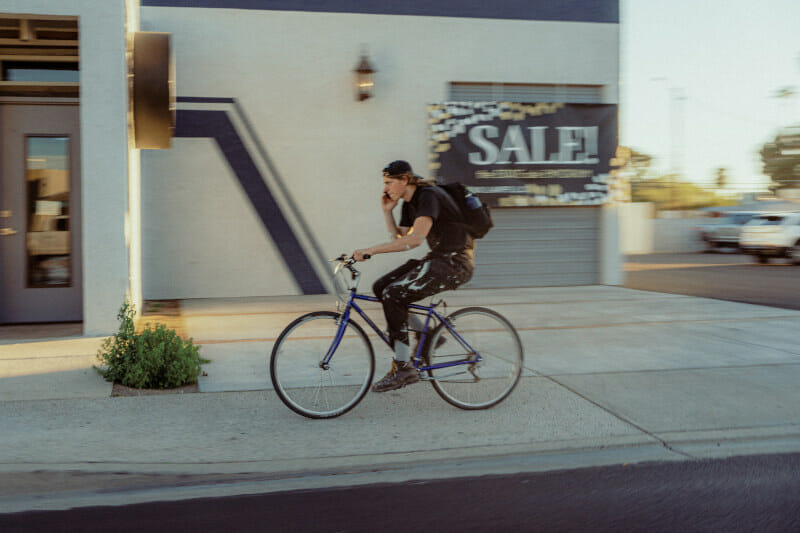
(275, 164)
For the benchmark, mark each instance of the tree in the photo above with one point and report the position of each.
(667, 191)
(781, 158)
(637, 163)
(722, 177)
(785, 92)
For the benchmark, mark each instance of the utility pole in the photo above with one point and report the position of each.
(676, 97)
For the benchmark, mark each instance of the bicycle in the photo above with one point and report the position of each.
(322, 363)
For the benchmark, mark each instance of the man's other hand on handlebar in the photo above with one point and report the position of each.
(362, 255)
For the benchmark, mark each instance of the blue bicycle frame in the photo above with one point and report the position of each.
(417, 358)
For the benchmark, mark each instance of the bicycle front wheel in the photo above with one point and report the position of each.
(301, 380)
(485, 367)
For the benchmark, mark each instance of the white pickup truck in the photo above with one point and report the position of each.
(772, 235)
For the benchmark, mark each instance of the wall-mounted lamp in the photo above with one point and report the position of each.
(364, 81)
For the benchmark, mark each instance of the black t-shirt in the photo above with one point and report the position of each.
(448, 234)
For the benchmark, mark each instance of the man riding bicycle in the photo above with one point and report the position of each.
(426, 215)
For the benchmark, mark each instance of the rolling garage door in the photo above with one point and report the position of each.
(539, 247)
(536, 246)
(525, 92)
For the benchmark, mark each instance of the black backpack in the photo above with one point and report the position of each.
(475, 213)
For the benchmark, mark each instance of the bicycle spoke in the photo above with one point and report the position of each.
(327, 403)
(317, 392)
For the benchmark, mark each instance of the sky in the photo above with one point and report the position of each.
(698, 79)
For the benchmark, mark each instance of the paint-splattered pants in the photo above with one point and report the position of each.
(416, 280)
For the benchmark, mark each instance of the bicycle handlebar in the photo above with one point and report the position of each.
(347, 262)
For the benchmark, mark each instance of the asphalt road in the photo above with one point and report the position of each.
(754, 493)
(725, 276)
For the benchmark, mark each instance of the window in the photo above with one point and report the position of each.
(39, 55)
(39, 71)
(48, 211)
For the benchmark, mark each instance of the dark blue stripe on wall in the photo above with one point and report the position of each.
(217, 125)
(205, 100)
(562, 10)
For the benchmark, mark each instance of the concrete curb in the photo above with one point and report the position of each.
(113, 484)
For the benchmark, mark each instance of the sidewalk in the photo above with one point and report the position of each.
(612, 375)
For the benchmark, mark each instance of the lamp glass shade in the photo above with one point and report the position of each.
(364, 79)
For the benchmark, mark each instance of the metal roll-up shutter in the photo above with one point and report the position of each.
(505, 92)
(539, 247)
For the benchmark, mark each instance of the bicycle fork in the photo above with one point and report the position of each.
(341, 322)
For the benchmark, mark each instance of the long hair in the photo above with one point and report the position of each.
(419, 181)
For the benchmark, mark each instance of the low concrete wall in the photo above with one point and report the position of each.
(636, 228)
(642, 233)
(677, 235)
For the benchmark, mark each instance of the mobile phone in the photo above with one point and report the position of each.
(386, 195)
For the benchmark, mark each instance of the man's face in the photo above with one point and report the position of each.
(395, 187)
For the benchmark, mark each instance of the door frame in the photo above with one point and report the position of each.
(76, 201)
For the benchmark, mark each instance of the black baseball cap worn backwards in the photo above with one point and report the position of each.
(397, 168)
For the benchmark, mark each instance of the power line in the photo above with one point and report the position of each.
(708, 107)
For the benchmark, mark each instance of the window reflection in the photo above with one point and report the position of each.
(48, 195)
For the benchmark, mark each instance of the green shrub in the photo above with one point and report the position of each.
(156, 358)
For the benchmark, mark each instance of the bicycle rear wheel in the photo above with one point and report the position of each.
(487, 381)
(297, 373)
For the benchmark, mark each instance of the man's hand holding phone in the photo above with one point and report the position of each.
(387, 204)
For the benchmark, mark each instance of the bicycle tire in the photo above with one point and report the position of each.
(300, 381)
(494, 377)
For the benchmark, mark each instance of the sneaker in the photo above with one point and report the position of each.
(400, 375)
